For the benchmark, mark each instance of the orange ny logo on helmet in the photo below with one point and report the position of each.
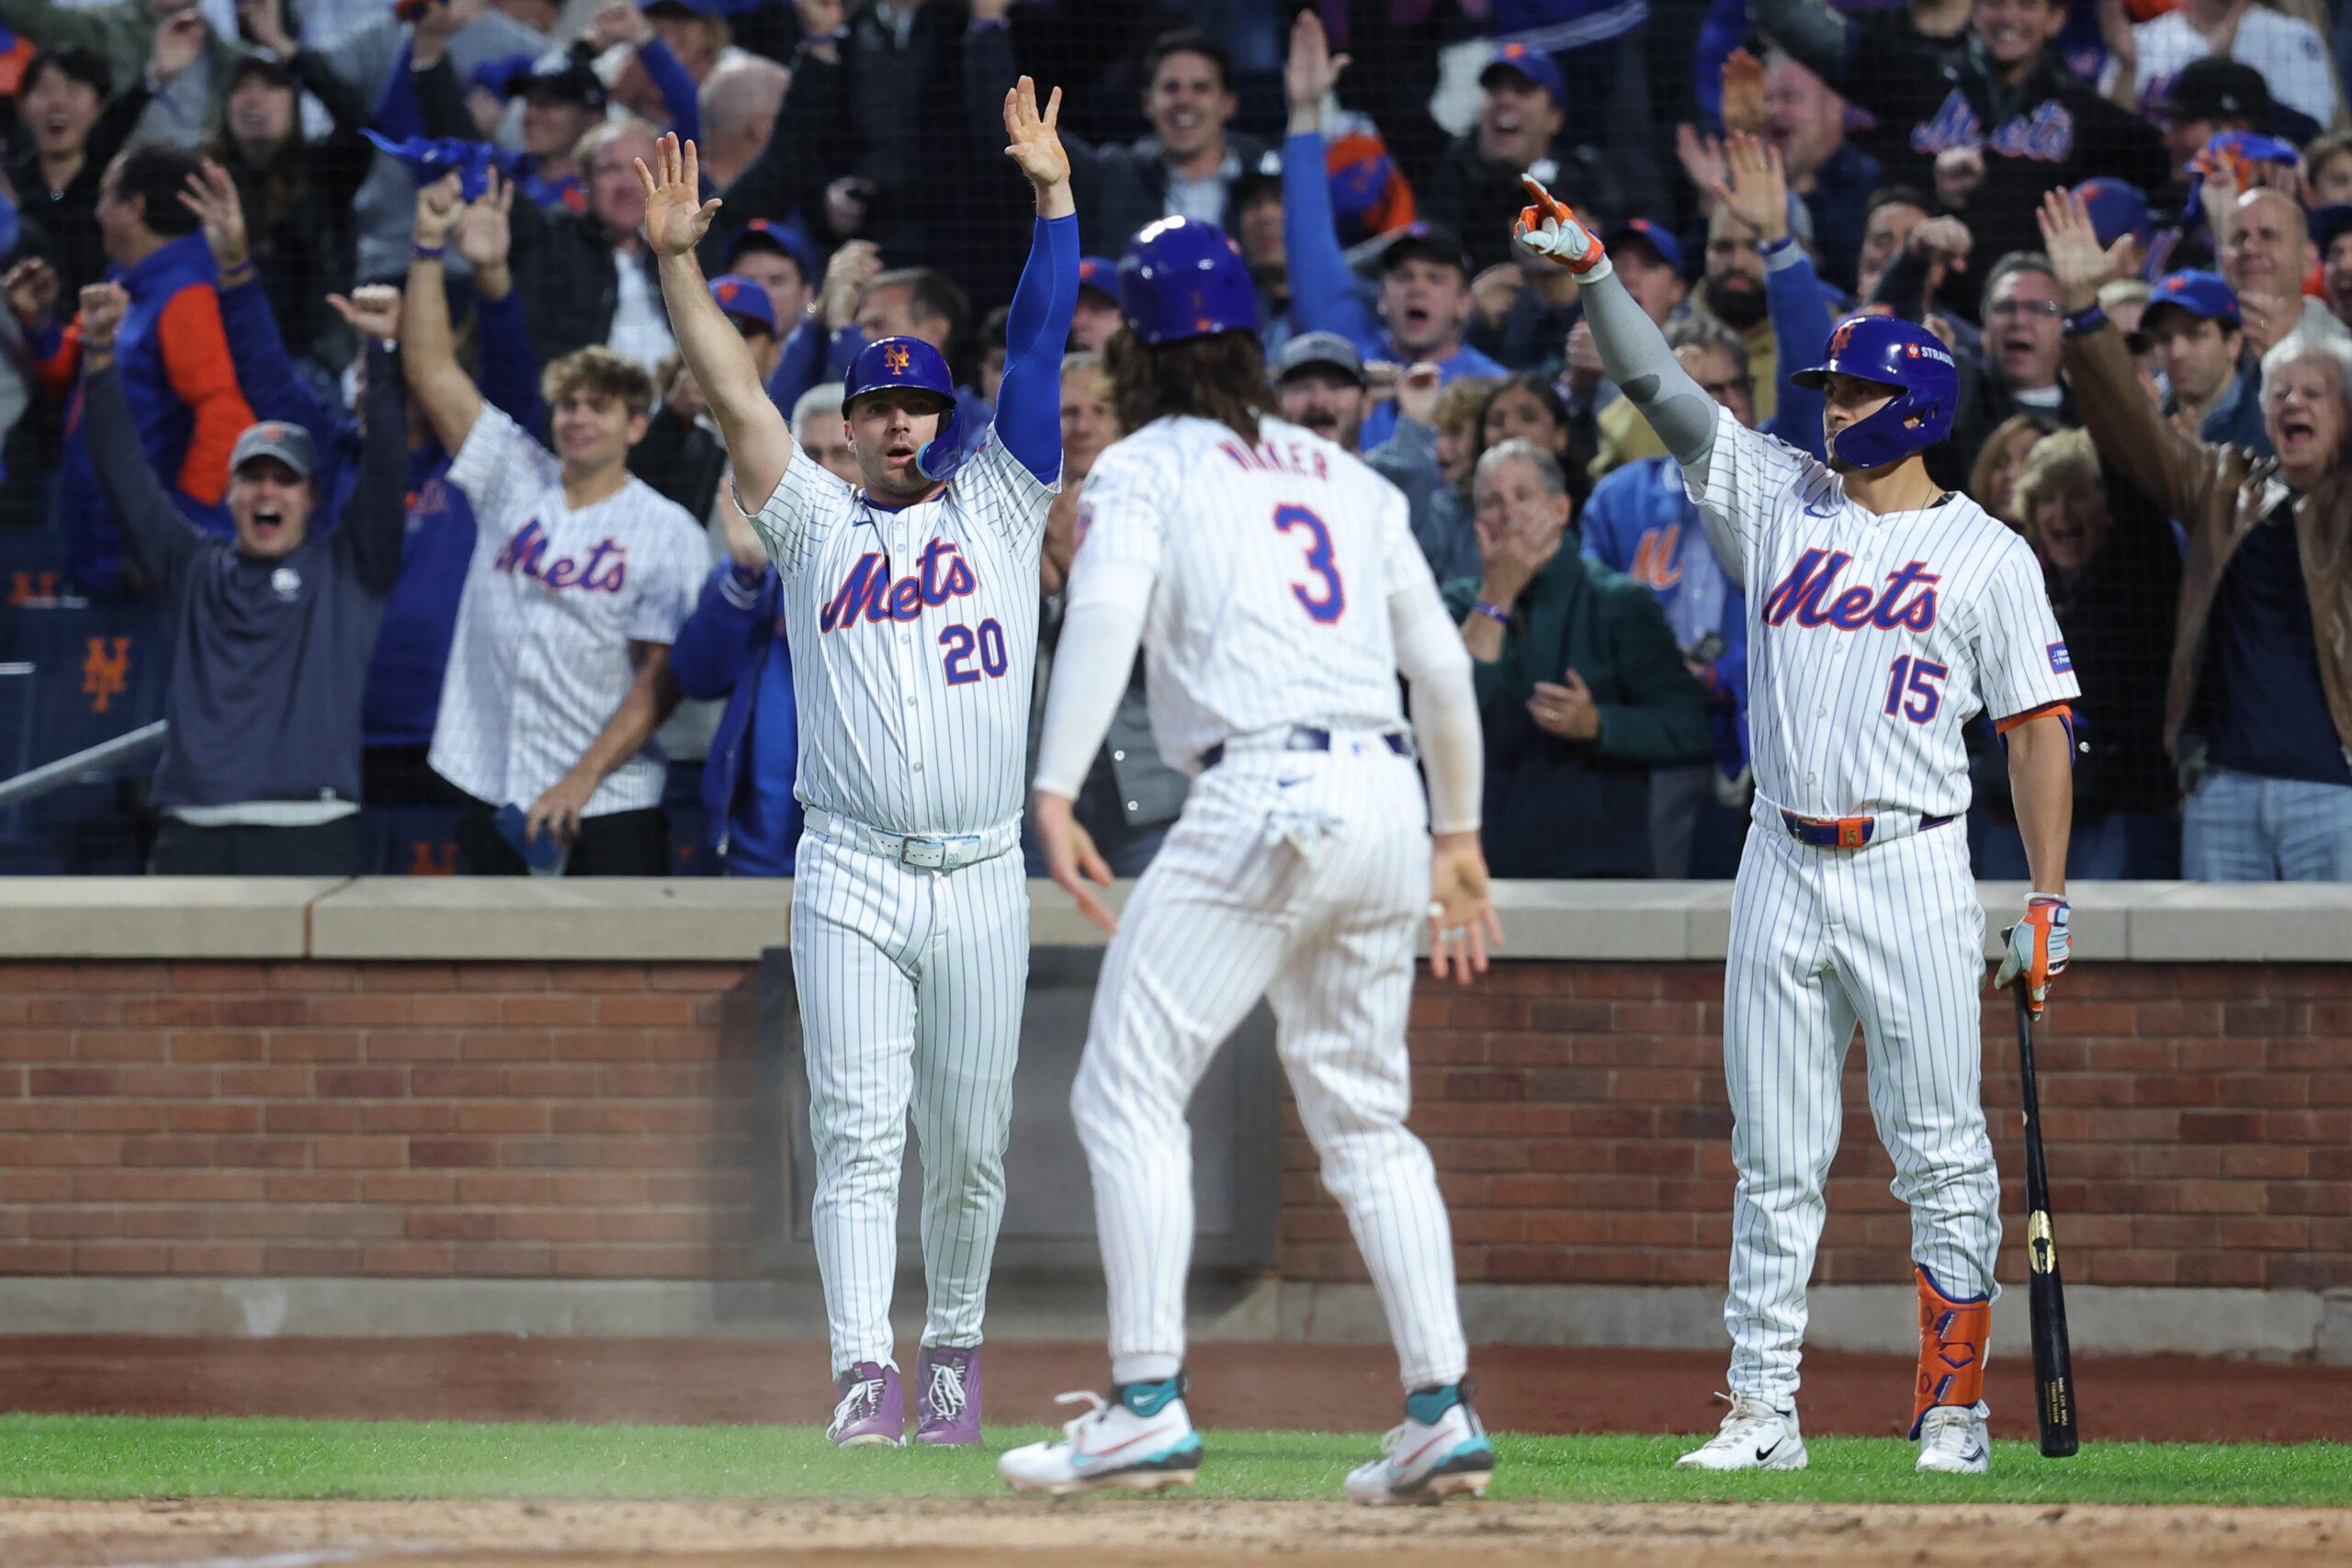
(1837, 342)
(895, 359)
(727, 292)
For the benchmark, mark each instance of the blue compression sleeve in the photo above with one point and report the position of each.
(671, 79)
(1029, 404)
(1322, 289)
(1799, 312)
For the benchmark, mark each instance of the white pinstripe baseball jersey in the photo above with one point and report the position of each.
(914, 640)
(1274, 565)
(1873, 640)
(553, 598)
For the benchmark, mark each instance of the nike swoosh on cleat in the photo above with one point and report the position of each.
(1763, 1454)
(1286, 783)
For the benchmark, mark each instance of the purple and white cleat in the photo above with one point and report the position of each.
(948, 1395)
(872, 1412)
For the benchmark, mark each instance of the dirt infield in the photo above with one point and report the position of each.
(1309, 1387)
(1172, 1533)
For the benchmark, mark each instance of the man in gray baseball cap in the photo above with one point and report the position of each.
(270, 490)
(1320, 379)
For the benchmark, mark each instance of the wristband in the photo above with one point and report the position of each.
(2085, 322)
(1771, 248)
(427, 252)
(242, 273)
(1500, 617)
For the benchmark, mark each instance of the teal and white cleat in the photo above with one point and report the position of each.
(1440, 1452)
(1141, 1439)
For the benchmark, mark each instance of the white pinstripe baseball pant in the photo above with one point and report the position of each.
(1891, 936)
(910, 987)
(1229, 912)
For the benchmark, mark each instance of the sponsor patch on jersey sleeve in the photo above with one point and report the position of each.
(2061, 661)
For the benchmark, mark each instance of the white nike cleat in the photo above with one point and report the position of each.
(1428, 1463)
(1110, 1446)
(1754, 1436)
(1953, 1441)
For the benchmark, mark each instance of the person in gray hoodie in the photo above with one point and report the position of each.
(271, 632)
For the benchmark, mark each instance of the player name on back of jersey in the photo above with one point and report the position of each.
(1287, 458)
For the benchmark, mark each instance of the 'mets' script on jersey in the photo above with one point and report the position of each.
(1873, 640)
(1273, 563)
(914, 642)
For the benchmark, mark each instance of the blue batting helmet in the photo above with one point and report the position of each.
(1184, 278)
(1898, 354)
(893, 362)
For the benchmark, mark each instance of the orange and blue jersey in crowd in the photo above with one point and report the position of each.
(184, 395)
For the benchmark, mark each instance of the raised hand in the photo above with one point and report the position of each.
(103, 306)
(852, 266)
(2079, 262)
(437, 207)
(620, 22)
(265, 22)
(1743, 82)
(485, 234)
(1416, 392)
(32, 288)
(211, 195)
(676, 218)
(1312, 70)
(1550, 228)
(1758, 189)
(1036, 145)
(373, 310)
(1701, 156)
(1959, 171)
(179, 39)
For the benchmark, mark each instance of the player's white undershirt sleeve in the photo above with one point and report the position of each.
(1436, 666)
(1430, 657)
(1111, 581)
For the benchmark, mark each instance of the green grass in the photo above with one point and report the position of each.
(74, 1456)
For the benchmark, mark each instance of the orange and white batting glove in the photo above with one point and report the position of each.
(2039, 947)
(1549, 227)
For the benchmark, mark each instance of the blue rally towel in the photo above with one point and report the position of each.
(430, 160)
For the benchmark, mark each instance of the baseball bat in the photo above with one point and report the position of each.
(2053, 1365)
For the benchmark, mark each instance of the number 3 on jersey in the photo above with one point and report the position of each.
(1326, 607)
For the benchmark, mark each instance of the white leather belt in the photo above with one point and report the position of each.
(942, 852)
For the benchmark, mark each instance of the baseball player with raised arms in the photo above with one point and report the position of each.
(1274, 581)
(1883, 613)
(911, 606)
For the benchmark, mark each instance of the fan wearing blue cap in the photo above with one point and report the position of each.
(910, 607)
(2192, 319)
(1884, 614)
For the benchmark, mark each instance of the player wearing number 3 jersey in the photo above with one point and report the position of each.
(1883, 615)
(911, 607)
(1274, 583)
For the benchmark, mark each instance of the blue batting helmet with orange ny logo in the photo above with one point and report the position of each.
(1184, 278)
(894, 362)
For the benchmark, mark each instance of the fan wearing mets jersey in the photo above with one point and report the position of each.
(1276, 584)
(1883, 614)
(910, 607)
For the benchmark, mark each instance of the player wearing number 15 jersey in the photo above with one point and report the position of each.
(1274, 583)
(911, 603)
(1883, 615)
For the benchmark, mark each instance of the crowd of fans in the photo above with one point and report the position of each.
(275, 267)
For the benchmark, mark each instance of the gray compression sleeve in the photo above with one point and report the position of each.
(1635, 356)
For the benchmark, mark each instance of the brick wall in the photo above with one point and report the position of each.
(592, 1121)
(391, 1120)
